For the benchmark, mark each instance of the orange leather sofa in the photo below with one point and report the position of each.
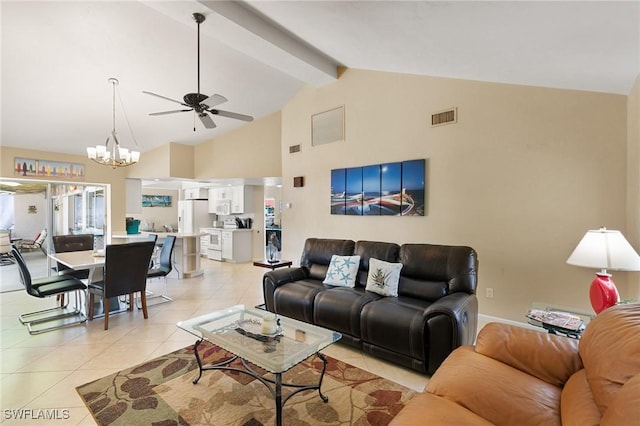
(518, 376)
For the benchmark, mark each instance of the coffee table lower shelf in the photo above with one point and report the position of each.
(274, 386)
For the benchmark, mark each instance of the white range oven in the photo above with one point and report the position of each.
(214, 249)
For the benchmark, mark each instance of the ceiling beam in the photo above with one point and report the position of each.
(251, 33)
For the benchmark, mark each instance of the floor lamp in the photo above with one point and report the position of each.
(604, 249)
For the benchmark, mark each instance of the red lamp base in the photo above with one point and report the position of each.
(603, 293)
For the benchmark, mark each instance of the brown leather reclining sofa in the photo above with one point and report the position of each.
(517, 376)
(436, 309)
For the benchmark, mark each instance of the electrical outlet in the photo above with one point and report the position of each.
(489, 293)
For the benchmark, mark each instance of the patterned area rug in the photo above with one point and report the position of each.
(160, 392)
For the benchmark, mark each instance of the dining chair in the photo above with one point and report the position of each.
(154, 238)
(67, 243)
(55, 285)
(164, 266)
(125, 273)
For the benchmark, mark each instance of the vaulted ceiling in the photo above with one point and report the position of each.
(57, 57)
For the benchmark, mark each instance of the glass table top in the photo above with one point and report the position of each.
(238, 330)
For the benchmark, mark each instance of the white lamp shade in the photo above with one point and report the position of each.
(91, 152)
(101, 150)
(605, 249)
(135, 156)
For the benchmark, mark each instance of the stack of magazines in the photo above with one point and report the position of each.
(559, 319)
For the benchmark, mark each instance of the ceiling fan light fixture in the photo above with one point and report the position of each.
(201, 104)
(113, 156)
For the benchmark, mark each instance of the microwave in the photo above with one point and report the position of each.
(223, 207)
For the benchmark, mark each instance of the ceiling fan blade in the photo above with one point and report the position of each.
(170, 112)
(164, 97)
(214, 100)
(207, 120)
(230, 114)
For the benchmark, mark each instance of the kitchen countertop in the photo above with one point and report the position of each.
(228, 229)
(144, 235)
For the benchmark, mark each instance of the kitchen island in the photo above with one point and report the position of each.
(186, 252)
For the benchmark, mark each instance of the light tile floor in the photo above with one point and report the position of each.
(41, 371)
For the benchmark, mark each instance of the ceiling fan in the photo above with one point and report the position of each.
(197, 102)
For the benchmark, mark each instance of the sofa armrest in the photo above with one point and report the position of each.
(451, 321)
(546, 356)
(273, 279)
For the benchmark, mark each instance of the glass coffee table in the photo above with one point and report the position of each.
(238, 331)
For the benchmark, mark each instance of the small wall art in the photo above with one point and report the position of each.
(389, 189)
(29, 167)
(156, 201)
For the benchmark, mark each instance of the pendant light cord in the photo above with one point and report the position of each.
(113, 103)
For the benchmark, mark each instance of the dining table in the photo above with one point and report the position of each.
(81, 260)
(94, 261)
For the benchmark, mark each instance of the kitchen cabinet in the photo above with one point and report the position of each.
(236, 245)
(204, 241)
(212, 200)
(219, 194)
(196, 194)
(241, 201)
(240, 197)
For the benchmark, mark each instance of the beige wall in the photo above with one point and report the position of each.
(633, 180)
(248, 152)
(159, 216)
(94, 173)
(172, 160)
(521, 176)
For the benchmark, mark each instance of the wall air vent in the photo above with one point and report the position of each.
(294, 148)
(447, 116)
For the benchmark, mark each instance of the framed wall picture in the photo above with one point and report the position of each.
(338, 190)
(413, 177)
(28, 167)
(371, 190)
(156, 200)
(353, 202)
(389, 189)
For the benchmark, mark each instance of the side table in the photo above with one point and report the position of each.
(558, 320)
(273, 265)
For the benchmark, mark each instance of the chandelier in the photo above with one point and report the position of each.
(114, 156)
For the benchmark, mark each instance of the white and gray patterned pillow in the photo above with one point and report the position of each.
(342, 271)
(383, 277)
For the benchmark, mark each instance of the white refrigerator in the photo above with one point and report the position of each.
(193, 215)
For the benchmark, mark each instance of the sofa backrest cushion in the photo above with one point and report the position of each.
(433, 271)
(610, 351)
(388, 252)
(317, 253)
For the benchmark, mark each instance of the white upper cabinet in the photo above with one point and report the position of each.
(196, 194)
(216, 195)
(241, 199)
